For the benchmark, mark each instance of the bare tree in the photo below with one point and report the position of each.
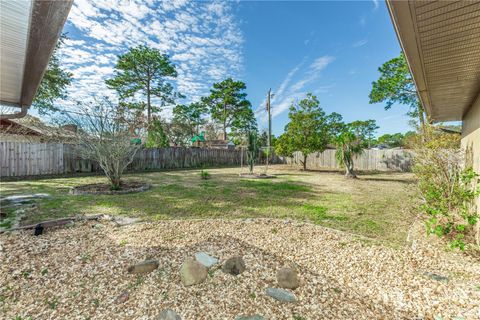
(102, 136)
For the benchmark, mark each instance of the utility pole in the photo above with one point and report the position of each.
(269, 140)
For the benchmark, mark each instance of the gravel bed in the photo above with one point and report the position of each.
(78, 273)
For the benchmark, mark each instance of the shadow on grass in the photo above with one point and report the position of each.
(174, 198)
(399, 180)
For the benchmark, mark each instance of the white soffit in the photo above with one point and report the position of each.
(15, 17)
(441, 40)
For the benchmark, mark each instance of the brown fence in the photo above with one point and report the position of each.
(29, 159)
(19, 159)
(370, 160)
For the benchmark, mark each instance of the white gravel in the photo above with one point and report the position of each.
(77, 273)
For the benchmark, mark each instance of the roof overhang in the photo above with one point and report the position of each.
(29, 31)
(441, 42)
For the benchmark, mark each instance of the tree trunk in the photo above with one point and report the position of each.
(149, 107)
(421, 116)
(349, 170)
(304, 162)
(224, 122)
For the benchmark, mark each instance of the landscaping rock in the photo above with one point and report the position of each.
(168, 314)
(192, 272)
(98, 226)
(125, 221)
(234, 266)
(205, 259)
(106, 217)
(71, 224)
(144, 267)
(25, 197)
(122, 298)
(254, 317)
(288, 278)
(281, 295)
(436, 277)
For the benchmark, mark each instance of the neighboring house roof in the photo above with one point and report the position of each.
(29, 125)
(441, 42)
(29, 31)
(219, 142)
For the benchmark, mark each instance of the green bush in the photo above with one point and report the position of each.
(204, 175)
(448, 186)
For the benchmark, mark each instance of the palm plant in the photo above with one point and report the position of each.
(252, 150)
(348, 146)
(267, 151)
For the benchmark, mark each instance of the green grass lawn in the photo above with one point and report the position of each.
(375, 205)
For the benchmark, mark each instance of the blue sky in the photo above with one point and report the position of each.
(330, 48)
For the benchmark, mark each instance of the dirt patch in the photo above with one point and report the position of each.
(102, 188)
(256, 176)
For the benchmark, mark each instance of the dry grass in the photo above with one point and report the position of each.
(377, 206)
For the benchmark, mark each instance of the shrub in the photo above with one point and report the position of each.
(204, 175)
(103, 137)
(448, 186)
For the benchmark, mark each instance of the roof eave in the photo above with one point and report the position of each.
(47, 21)
(405, 29)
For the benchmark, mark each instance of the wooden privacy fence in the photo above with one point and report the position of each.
(30, 159)
(19, 159)
(370, 160)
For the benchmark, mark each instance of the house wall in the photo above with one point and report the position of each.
(471, 136)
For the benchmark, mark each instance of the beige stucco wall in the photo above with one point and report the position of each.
(471, 135)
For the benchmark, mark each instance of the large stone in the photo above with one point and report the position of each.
(24, 197)
(206, 259)
(254, 317)
(192, 272)
(288, 278)
(281, 295)
(168, 314)
(144, 267)
(234, 266)
(125, 221)
(122, 298)
(436, 277)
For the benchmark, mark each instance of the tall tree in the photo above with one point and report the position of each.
(54, 83)
(178, 132)
(308, 130)
(348, 146)
(191, 116)
(229, 107)
(156, 137)
(396, 85)
(365, 130)
(144, 71)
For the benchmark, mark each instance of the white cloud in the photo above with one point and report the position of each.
(360, 43)
(363, 21)
(321, 62)
(289, 92)
(203, 40)
(375, 4)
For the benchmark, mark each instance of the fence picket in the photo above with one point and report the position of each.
(21, 159)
